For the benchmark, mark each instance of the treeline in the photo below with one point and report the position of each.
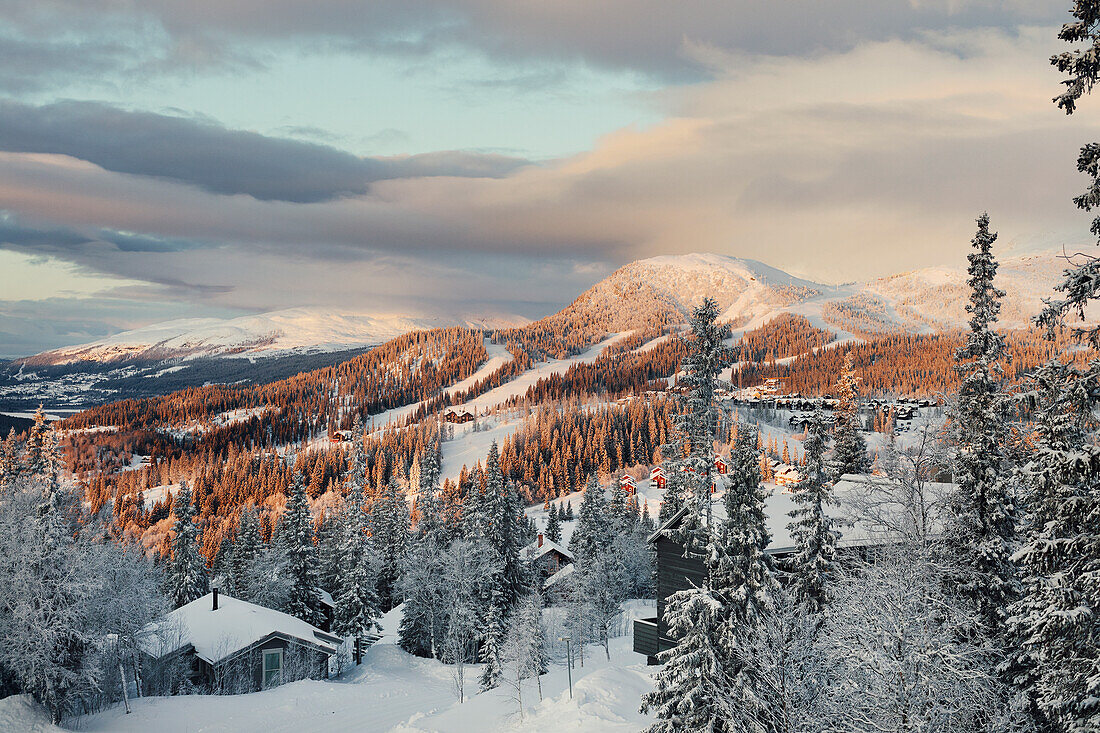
(411, 368)
(906, 364)
(554, 453)
(785, 335)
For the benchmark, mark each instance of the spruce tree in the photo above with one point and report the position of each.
(41, 455)
(492, 639)
(691, 689)
(592, 533)
(296, 533)
(423, 623)
(9, 461)
(814, 532)
(357, 607)
(849, 446)
(981, 526)
(390, 530)
(1054, 622)
(553, 525)
(247, 546)
(186, 579)
(505, 534)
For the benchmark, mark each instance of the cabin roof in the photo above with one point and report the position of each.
(532, 550)
(235, 625)
(852, 492)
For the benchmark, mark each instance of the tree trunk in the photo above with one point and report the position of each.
(122, 679)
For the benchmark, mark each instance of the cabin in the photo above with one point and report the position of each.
(657, 477)
(720, 466)
(545, 557)
(458, 415)
(787, 475)
(676, 572)
(630, 486)
(230, 645)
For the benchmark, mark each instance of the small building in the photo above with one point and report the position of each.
(230, 645)
(546, 557)
(657, 477)
(630, 486)
(787, 475)
(458, 415)
(720, 465)
(677, 570)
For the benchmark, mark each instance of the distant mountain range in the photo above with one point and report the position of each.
(661, 290)
(295, 331)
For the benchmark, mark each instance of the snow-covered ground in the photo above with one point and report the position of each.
(394, 691)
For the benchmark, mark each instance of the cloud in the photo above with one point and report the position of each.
(842, 167)
(654, 37)
(216, 159)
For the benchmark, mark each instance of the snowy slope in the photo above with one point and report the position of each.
(294, 330)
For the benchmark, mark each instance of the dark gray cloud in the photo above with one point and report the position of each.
(204, 154)
(651, 36)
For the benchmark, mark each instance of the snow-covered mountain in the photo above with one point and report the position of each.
(275, 334)
(666, 288)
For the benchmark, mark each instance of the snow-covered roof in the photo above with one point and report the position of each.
(235, 625)
(560, 575)
(533, 550)
(853, 491)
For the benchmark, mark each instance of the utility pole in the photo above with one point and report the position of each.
(568, 662)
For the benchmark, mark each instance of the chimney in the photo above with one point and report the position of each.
(540, 539)
(215, 608)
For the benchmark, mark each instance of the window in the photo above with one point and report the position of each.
(273, 667)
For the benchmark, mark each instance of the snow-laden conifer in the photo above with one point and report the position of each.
(1055, 620)
(849, 445)
(296, 533)
(186, 578)
(389, 523)
(814, 532)
(981, 525)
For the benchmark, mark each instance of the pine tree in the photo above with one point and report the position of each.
(849, 446)
(41, 455)
(553, 525)
(9, 461)
(296, 533)
(569, 511)
(187, 579)
(1054, 622)
(814, 532)
(505, 534)
(981, 526)
(422, 626)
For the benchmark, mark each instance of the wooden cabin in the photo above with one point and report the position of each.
(458, 415)
(720, 466)
(630, 486)
(545, 557)
(233, 646)
(676, 572)
(657, 477)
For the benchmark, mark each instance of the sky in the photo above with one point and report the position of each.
(194, 158)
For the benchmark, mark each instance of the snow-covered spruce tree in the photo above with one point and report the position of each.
(593, 531)
(1055, 620)
(742, 580)
(9, 461)
(1082, 66)
(329, 535)
(696, 422)
(849, 446)
(423, 623)
(186, 578)
(505, 532)
(691, 690)
(553, 525)
(814, 532)
(389, 522)
(492, 639)
(523, 652)
(41, 455)
(247, 546)
(296, 533)
(981, 525)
